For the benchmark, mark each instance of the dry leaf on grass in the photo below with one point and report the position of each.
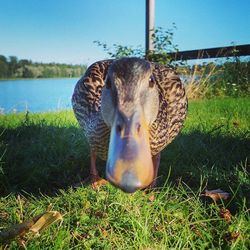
(225, 214)
(104, 232)
(34, 225)
(99, 183)
(231, 236)
(236, 124)
(151, 198)
(95, 185)
(149, 195)
(99, 214)
(216, 194)
(79, 236)
(4, 215)
(45, 220)
(196, 231)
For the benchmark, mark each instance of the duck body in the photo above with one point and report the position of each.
(130, 110)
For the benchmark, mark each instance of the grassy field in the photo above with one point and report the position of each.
(43, 155)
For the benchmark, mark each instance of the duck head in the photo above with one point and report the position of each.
(129, 105)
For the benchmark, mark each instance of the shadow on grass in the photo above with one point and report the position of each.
(42, 159)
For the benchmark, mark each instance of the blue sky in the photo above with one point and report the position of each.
(64, 30)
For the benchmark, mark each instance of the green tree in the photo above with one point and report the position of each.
(3, 67)
(13, 65)
(27, 72)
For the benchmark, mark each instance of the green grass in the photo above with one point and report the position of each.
(42, 155)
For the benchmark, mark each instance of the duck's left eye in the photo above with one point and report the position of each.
(151, 81)
(108, 83)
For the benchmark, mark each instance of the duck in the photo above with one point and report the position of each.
(129, 109)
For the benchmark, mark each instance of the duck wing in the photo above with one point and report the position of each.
(172, 108)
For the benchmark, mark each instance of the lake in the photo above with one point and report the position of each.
(36, 95)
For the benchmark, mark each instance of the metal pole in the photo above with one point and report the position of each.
(150, 15)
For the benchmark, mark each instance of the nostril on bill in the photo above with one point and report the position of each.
(119, 129)
(138, 127)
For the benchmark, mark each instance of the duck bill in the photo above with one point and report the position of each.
(129, 164)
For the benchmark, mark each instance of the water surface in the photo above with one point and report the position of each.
(36, 95)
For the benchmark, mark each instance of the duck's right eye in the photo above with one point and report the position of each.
(151, 81)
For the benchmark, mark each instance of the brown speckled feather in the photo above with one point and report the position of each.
(173, 108)
(86, 101)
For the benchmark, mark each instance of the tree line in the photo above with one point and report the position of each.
(12, 67)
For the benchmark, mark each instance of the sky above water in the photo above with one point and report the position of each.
(64, 30)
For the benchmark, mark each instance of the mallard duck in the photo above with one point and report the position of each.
(130, 109)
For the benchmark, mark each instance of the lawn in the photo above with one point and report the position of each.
(43, 155)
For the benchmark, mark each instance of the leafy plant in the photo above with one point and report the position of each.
(118, 51)
(163, 45)
(232, 77)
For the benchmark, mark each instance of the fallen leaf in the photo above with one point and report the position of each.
(4, 215)
(99, 214)
(196, 231)
(99, 183)
(216, 194)
(78, 236)
(231, 236)
(45, 220)
(225, 214)
(236, 124)
(151, 198)
(34, 225)
(104, 232)
(18, 230)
